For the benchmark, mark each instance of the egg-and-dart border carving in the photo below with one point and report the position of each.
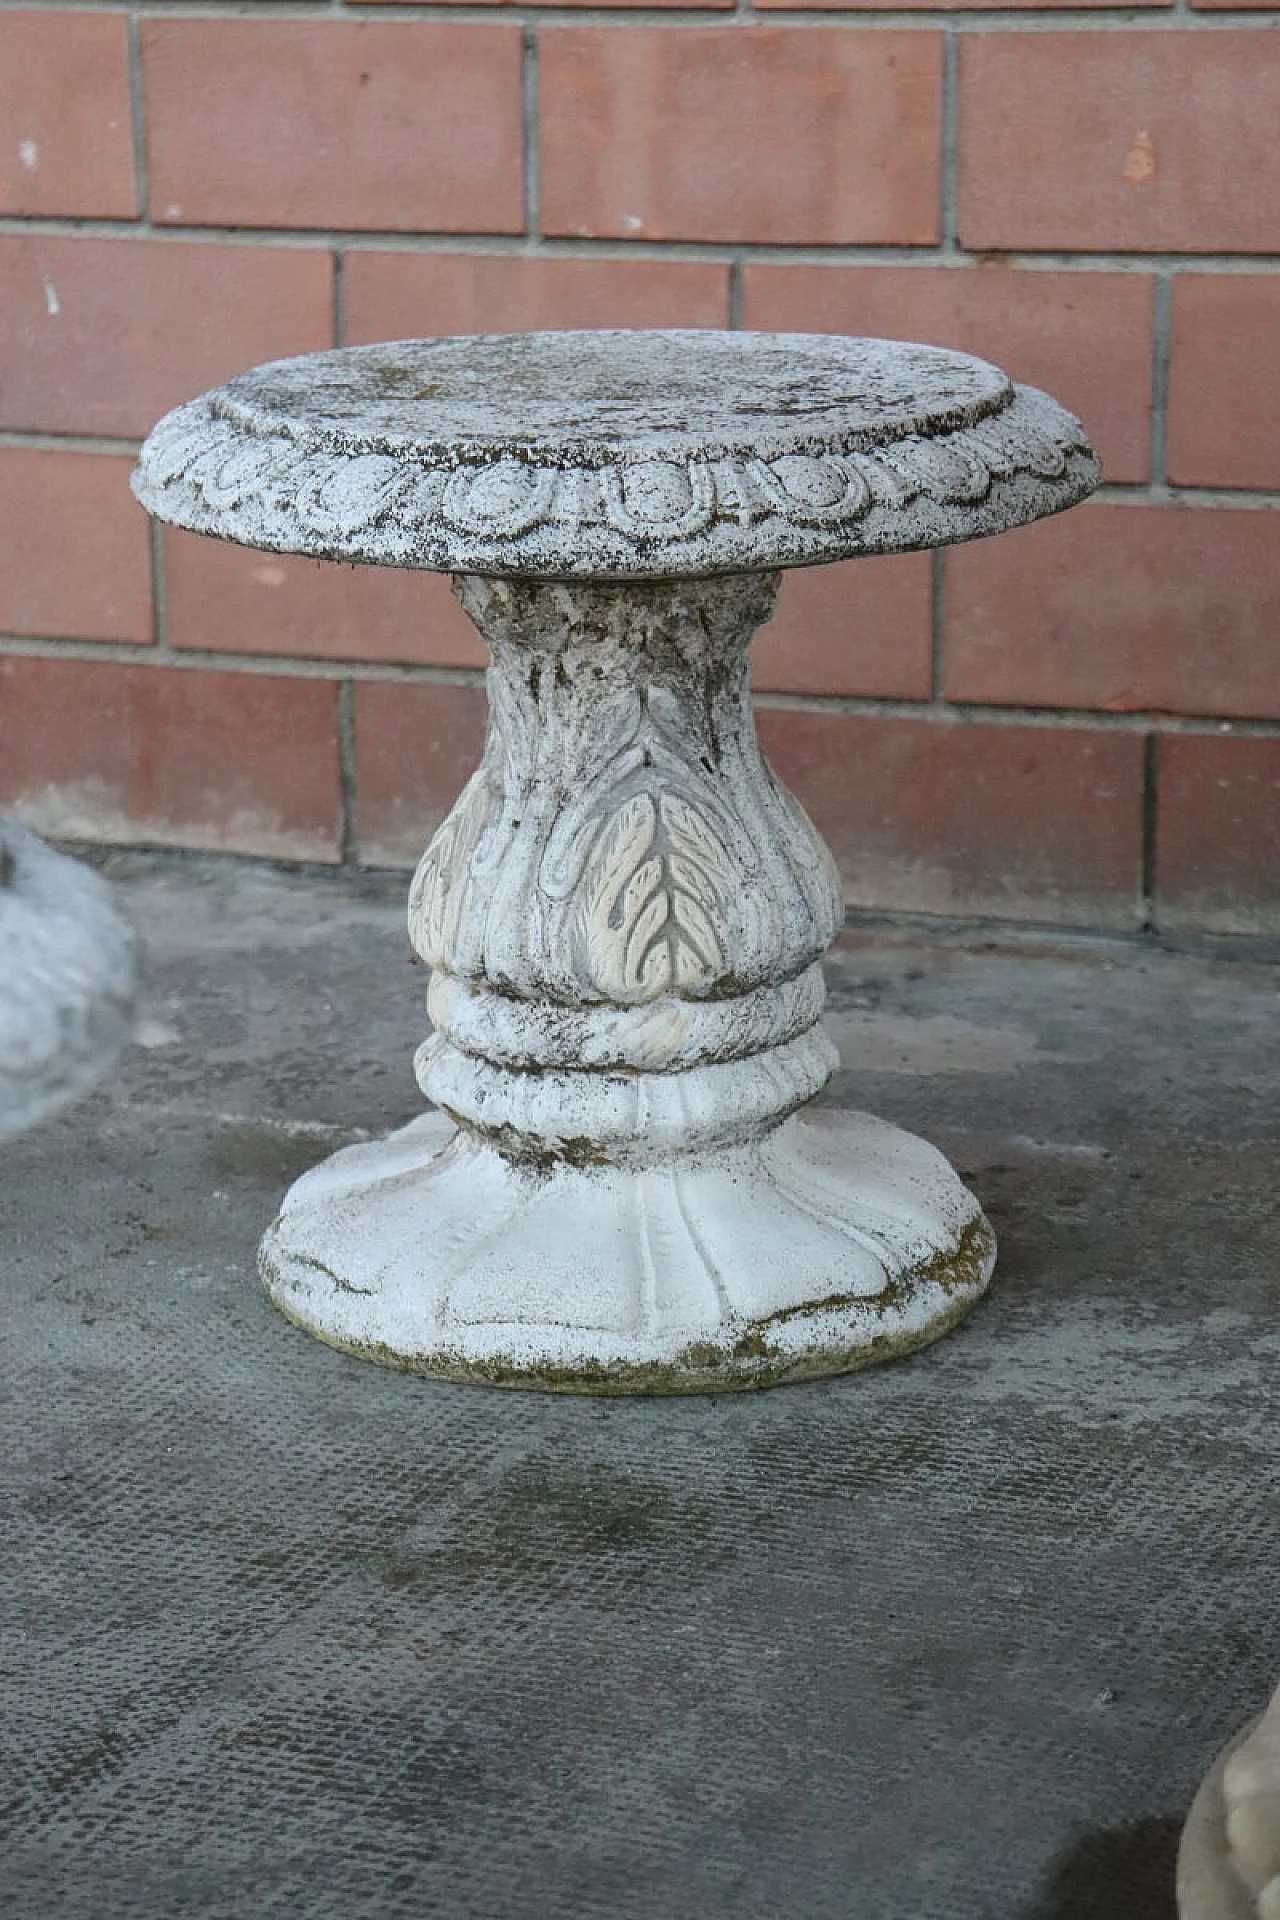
(200, 470)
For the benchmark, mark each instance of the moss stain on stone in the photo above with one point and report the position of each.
(958, 1278)
(532, 1154)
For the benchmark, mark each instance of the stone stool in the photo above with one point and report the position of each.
(617, 1189)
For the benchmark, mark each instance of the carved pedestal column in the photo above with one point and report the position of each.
(624, 915)
(624, 909)
(617, 1187)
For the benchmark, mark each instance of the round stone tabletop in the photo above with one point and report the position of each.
(615, 455)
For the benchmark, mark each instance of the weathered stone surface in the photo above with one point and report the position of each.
(625, 912)
(624, 915)
(627, 455)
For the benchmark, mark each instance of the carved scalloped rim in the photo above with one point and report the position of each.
(641, 515)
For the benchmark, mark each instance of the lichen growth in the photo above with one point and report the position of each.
(954, 1278)
(530, 1153)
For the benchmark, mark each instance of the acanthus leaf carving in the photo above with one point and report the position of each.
(439, 894)
(646, 919)
(624, 841)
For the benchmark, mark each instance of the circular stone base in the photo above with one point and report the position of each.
(834, 1242)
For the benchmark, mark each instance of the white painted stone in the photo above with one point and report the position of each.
(625, 913)
(623, 916)
(66, 980)
(812, 1247)
(1229, 1860)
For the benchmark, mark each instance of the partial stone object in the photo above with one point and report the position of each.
(66, 980)
(619, 1188)
(1229, 1860)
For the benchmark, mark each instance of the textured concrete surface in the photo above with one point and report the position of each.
(281, 1633)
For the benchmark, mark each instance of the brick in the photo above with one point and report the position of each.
(1028, 823)
(774, 134)
(1042, 327)
(1120, 140)
(416, 747)
(334, 123)
(399, 296)
(1125, 608)
(66, 127)
(967, 6)
(675, 5)
(75, 557)
(863, 628)
(236, 762)
(226, 599)
(1218, 833)
(1224, 380)
(103, 336)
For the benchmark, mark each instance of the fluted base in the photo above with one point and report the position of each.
(833, 1242)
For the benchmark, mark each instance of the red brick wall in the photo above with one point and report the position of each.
(1077, 723)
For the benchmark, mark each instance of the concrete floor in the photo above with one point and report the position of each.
(285, 1634)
